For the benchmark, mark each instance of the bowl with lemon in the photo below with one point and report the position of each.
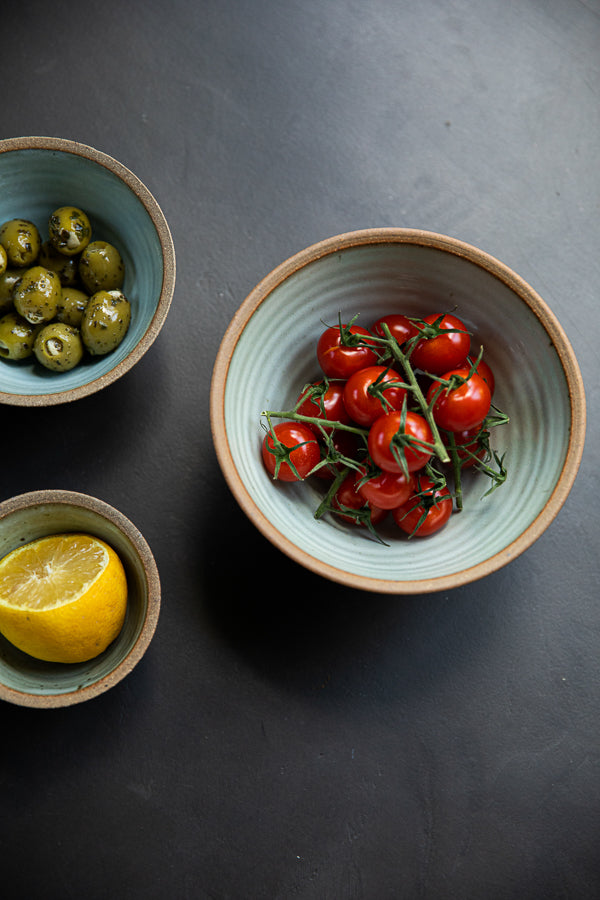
(79, 598)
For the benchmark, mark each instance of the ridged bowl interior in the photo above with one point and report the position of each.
(26, 681)
(38, 175)
(268, 354)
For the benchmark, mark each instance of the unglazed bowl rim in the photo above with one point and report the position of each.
(36, 499)
(159, 221)
(446, 244)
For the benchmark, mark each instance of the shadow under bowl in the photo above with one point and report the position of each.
(268, 354)
(41, 174)
(26, 681)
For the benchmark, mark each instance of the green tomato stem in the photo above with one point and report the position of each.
(439, 447)
(456, 471)
(314, 420)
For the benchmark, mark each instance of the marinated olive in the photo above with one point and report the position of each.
(21, 240)
(105, 321)
(101, 267)
(7, 285)
(3, 260)
(37, 294)
(16, 336)
(66, 267)
(69, 230)
(58, 347)
(71, 306)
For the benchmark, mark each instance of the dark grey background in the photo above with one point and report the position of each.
(285, 737)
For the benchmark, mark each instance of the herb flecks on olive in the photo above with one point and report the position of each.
(58, 347)
(66, 267)
(101, 267)
(7, 285)
(37, 294)
(17, 336)
(46, 289)
(105, 322)
(69, 230)
(21, 240)
(72, 306)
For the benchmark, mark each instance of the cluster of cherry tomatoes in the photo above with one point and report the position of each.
(398, 409)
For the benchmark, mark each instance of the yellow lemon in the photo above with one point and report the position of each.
(63, 597)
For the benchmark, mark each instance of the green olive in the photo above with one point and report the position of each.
(58, 347)
(21, 240)
(105, 321)
(37, 294)
(66, 267)
(69, 230)
(71, 306)
(3, 260)
(7, 285)
(101, 267)
(16, 336)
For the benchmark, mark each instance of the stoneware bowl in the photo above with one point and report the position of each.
(268, 354)
(37, 176)
(30, 682)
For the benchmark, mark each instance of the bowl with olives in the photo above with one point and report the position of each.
(87, 270)
(508, 471)
(35, 681)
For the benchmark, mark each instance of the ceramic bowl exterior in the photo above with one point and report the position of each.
(26, 681)
(268, 354)
(37, 176)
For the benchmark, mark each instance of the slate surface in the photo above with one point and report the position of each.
(286, 737)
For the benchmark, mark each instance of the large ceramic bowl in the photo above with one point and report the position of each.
(37, 176)
(268, 354)
(30, 682)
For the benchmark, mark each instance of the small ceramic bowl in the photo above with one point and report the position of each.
(41, 174)
(26, 681)
(268, 354)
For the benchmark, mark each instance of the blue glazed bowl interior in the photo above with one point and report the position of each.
(36, 181)
(268, 354)
(32, 682)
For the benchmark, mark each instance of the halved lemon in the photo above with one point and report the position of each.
(63, 597)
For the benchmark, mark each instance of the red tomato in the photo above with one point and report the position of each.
(463, 407)
(366, 397)
(484, 369)
(427, 510)
(324, 401)
(400, 327)
(387, 433)
(294, 442)
(339, 354)
(386, 490)
(444, 352)
(347, 496)
(345, 443)
(467, 444)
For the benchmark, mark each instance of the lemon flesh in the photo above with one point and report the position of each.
(63, 597)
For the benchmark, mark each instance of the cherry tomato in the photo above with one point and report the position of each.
(338, 359)
(444, 352)
(345, 443)
(387, 432)
(427, 511)
(386, 490)
(485, 370)
(294, 442)
(400, 327)
(467, 444)
(324, 401)
(462, 407)
(366, 397)
(348, 496)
